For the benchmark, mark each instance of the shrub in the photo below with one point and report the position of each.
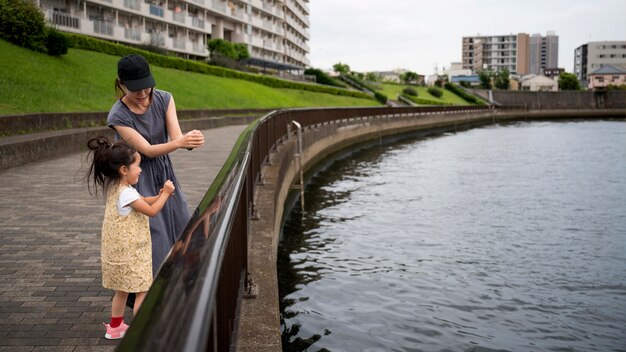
(357, 79)
(56, 42)
(380, 97)
(421, 101)
(410, 91)
(463, 94)
(321, 77)
(435, 92)
(22, 23)
(87, 43)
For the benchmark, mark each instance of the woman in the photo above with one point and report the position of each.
(146, 119)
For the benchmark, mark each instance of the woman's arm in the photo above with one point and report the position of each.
(193, 139)
(189, 140)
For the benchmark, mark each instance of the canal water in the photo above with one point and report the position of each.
(502, 238)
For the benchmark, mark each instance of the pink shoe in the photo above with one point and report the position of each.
(115, 333)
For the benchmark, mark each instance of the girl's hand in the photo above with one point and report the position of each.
(168, 187)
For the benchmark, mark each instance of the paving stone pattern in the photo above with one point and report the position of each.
(51, 296)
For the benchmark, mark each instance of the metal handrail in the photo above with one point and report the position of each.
(193, 302)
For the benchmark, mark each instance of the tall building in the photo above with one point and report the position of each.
(543, 52)
(275, 31)
(593, 55)
(518, 53)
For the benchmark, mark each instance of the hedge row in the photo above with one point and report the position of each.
(422, 101)
(379, 96)
(93, 44)
(463, 94)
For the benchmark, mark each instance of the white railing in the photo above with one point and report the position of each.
(132, 4)
(178, 17)
(219, 5)
(180, 43)
(196, 22)
(64, 20)
(132, 34)
(103, 27)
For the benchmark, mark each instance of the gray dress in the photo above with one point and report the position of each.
(167, 225)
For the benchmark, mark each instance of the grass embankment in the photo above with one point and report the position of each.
(82, 81)
(448, 98)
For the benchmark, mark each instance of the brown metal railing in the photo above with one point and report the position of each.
(194, 301)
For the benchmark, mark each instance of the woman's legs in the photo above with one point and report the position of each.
(139, 296)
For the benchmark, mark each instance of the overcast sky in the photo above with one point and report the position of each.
(418, 35)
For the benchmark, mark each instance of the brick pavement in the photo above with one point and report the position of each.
(51, 298)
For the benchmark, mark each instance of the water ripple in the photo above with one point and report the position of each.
(506, 238)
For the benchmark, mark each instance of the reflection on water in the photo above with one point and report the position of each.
(505, 238)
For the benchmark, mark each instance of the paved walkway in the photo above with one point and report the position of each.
(51, 298)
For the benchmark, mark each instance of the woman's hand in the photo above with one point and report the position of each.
(192, 139)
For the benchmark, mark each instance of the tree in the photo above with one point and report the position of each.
(242, 51)
(485, 79)
(373, 77)
(409, 77)
(340, 68)
(221, 47)
(568, 81)
(502, 79)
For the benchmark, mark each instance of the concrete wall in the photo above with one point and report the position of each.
(614, 99)
(20, 149)
(32, 123)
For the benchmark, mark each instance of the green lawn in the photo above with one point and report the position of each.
(83, 81)
(393, 90)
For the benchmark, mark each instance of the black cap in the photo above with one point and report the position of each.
(134, 72)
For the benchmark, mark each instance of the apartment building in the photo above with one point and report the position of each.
(275, 31)
(543, 53)
(593, 55)
(518, 53)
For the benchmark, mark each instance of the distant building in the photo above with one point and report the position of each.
(593, 55)
(535, 83)
(518, 53)
(605, 76)
(543, 52)
(472, 80)
(456, 69)
(276, 32)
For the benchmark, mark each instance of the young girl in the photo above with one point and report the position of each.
(126, 250)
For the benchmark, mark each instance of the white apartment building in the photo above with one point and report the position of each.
(518, 53)
(275, 31)
(593, 55)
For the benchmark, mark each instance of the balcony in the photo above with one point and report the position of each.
(63, 20)
(133, 34)
(132, 4)
(157, 11)
(103, 27)
(180, 43)
(196, 22)
(179, 17)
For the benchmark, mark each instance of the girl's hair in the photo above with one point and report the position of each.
(106, 160)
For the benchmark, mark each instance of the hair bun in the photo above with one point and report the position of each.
(98, 142)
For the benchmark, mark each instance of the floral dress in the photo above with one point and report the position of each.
(126, 249)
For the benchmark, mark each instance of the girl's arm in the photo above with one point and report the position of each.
(142, 206)
(153, 199)
(189, 140)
